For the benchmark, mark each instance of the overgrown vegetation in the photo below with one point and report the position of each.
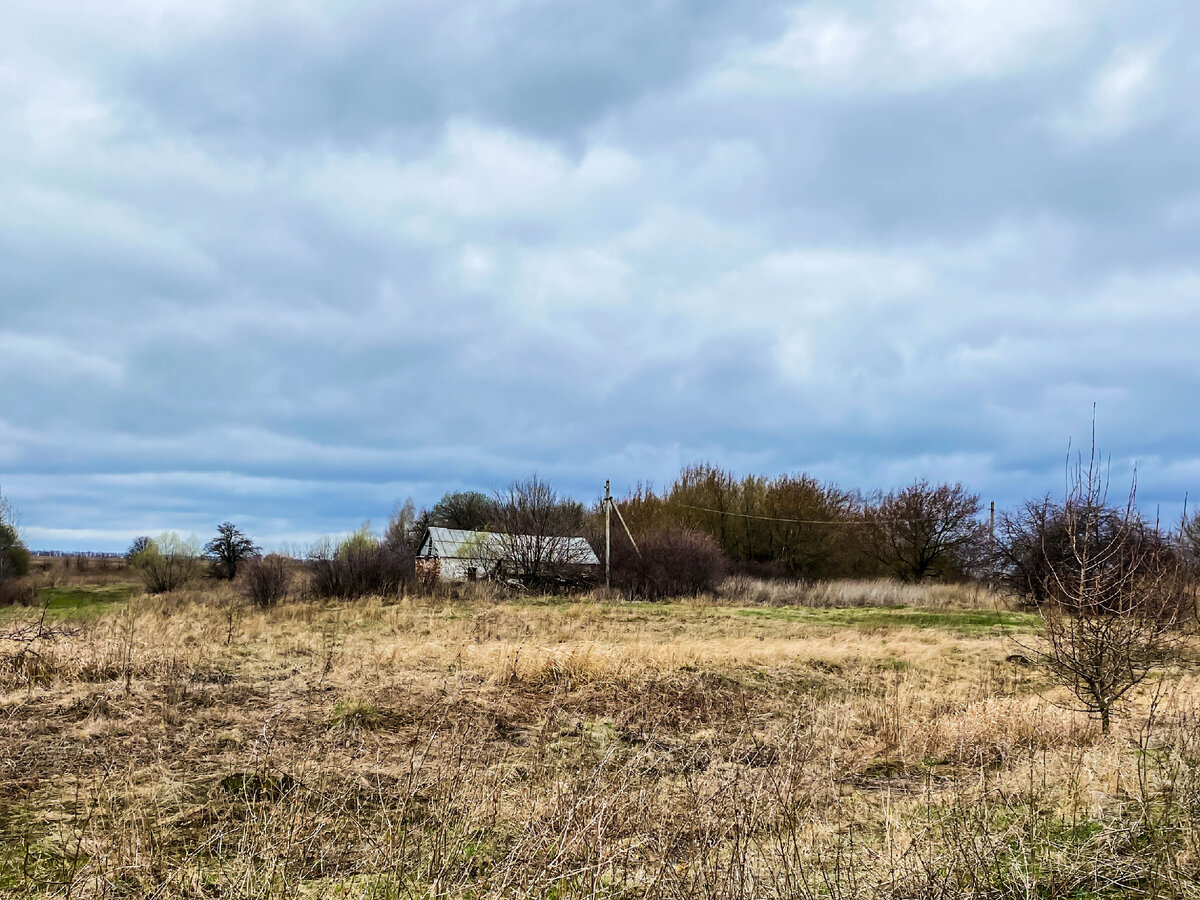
(14, 559)
(358, 566)
(547, 748)
(168, 562)
(268, 580)
(669, 562)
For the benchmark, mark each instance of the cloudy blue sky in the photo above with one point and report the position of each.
(287, 262)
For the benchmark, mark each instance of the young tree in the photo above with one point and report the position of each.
(1114, 596)
(402, 526)
(229, 549)
(925, 531)
(1189, 540)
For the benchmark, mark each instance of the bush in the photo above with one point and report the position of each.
(674, 562)
(14, 557)
(17, 592)
(360, 566)
(268, 580)
(14, 561)
(168, 563)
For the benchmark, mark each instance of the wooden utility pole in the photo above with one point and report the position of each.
(992, 544)
(607, 536)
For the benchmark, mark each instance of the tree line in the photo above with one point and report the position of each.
(708, 522)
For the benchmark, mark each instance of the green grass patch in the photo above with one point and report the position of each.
(963, 621)
(354, 714)
(84, 601)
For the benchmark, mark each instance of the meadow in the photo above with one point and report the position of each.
(843, 740)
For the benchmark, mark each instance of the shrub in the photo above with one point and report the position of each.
(673, 562)
(14, 557)
(168, 563)
(360, 566)
(17, 592)
(14, 561)
(268, 580)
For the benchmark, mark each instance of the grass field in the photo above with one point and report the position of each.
(190, 746)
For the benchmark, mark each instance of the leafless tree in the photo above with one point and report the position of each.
(532, 544)
(1114, 595)
(229, 549)
(925, 530)
(268, 580)
(1189, 539)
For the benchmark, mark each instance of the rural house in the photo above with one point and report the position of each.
(451, 554)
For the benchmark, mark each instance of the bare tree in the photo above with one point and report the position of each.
(229, 549)
(1114, 596)
(537, 536)
(1189, 539)
(268, 580)
(925, 531)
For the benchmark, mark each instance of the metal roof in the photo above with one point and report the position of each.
(454, 543)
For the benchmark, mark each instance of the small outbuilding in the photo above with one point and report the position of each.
(452, 554)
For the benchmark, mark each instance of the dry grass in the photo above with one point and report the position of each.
(191, 746)
(869, 593)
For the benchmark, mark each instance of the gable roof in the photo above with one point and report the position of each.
(455, 543)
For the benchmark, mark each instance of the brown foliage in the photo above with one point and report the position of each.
(673, 562)
(268, 580)
(925, 531)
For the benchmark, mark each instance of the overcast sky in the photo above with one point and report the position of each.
(288, 262)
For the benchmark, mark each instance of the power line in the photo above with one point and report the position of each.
(722, 512)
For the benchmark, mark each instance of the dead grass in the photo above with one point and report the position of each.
(189, 745)
(864, 593)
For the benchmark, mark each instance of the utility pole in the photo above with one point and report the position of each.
(992, 544)
(607, 536)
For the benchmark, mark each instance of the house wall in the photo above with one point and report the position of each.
(453, 569)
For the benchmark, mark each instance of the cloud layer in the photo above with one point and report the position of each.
(285, 263)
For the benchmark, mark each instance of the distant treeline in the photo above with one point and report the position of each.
(796, 526)
(783, 526)
(710, 521)
(86, 554)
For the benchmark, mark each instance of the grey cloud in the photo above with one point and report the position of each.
(286, 264)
